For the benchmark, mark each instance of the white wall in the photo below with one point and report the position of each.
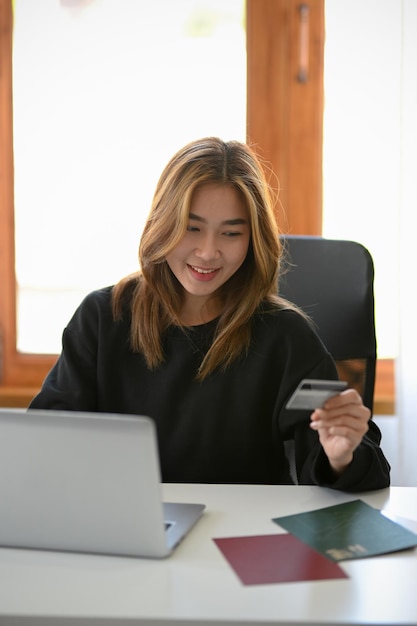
(370, 180)
(362, 141)
(407, 370)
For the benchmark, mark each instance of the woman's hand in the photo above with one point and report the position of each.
(341, 425)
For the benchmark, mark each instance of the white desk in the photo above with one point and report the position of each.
(197, 586)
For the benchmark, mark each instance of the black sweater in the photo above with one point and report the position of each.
(231, 427)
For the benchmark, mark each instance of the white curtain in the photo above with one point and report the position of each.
(407, 363)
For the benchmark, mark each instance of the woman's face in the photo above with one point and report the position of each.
(214, 246)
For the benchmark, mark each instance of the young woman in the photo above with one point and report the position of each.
(199, 341)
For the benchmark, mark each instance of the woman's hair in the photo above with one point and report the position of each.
(156, 296)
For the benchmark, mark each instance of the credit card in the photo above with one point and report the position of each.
(312, 394)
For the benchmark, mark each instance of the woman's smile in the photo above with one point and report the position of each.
(204, 274)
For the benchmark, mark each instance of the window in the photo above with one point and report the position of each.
(103, 160)
(115, 88)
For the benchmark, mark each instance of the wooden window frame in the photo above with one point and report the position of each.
(285, 125)
(20, 374)
(285, 51)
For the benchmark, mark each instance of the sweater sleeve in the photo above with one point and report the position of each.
(368, 470)
(72, 382)
(305, 356)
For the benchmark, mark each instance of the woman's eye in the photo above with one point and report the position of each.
(232, 234)
(192, 229)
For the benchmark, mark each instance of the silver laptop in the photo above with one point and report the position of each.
(85, 482)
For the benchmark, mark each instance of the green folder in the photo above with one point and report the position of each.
(351, 530)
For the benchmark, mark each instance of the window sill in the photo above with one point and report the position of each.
(384, 403)
(16, 397)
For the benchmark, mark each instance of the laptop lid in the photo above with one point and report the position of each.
(85, 482)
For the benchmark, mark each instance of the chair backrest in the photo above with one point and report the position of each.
(333, 282)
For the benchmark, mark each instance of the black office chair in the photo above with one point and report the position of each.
(332, 281)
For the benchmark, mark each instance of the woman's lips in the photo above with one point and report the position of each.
(202, 273)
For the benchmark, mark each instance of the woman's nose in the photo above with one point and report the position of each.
(207, 248)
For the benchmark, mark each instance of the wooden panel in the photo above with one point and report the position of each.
(15, 369)
(17, 397)
(7, 282)
(285, 113)
(385, 391)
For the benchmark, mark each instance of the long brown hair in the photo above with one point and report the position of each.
(157, 295)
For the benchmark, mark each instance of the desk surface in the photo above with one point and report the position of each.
(197, 586)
